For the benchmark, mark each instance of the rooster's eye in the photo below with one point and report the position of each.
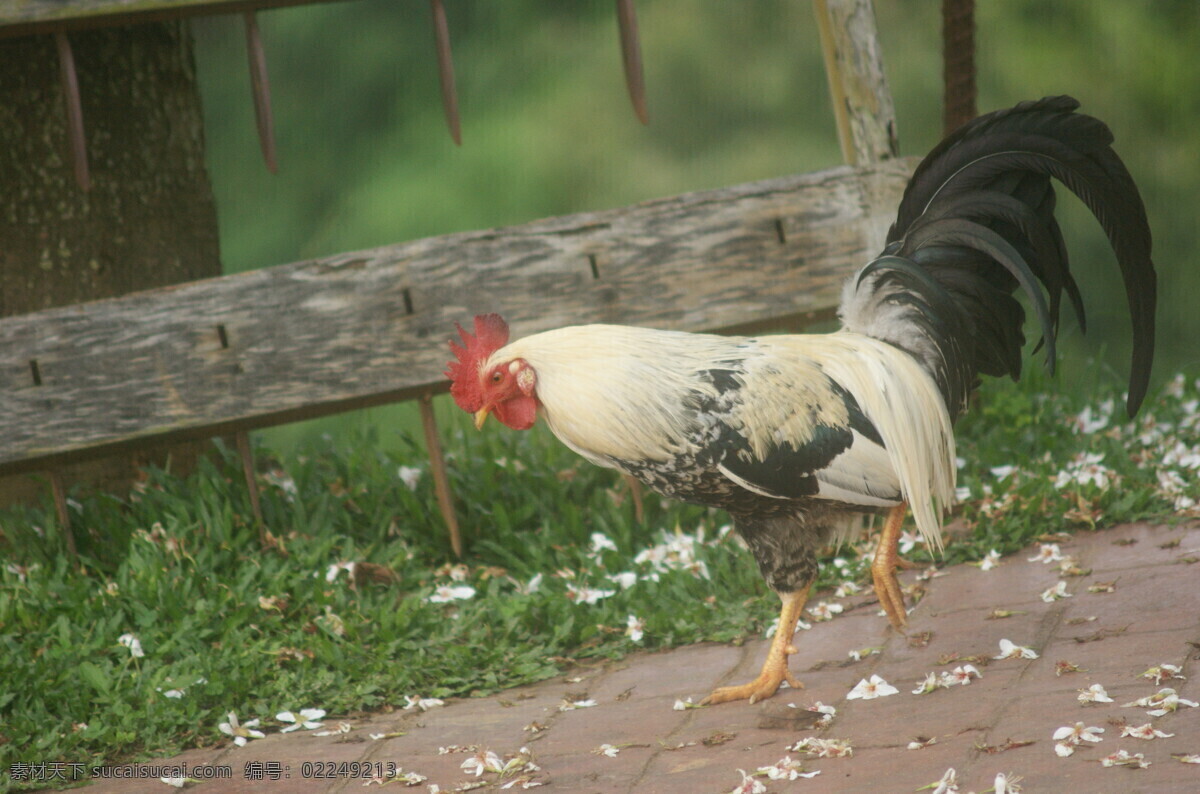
(497, 376)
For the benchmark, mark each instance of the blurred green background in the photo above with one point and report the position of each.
(736, 92)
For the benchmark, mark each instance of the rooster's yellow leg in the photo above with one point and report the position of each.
(883, 568)
(775, 668)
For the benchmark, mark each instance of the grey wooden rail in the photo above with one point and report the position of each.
(318, 337)
(25, 17)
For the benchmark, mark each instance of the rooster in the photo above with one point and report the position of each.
(794, 435)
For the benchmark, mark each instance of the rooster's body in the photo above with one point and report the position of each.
(795, 434)
(762, 427)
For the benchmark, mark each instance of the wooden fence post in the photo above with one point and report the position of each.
(862, 104)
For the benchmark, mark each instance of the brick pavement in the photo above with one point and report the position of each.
(1151, 616)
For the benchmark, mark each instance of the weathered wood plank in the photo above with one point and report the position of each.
(862, 103)
(23, 17)
(322, 336)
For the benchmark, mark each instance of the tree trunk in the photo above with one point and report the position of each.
(149, 218)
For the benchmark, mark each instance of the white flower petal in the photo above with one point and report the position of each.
(410, 476)
(446, 593)
(1052, 594)
(1094, 694)
(869, 689)
(587, 595)
(601, 542)
(1010, 650)
(133, 644)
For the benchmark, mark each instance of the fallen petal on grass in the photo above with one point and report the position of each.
(635, 628)
(133, 644)
(446, 593)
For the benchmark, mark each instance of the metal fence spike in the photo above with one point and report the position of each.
(958, 64)
(62, 509)
(635, 490)
(70, 84)
(441, 35)
(260, 86)
(246, 454)
(441, 480)
(631, 58)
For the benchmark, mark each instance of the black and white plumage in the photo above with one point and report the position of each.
(794, 434)
(977, 222)
(761, 427)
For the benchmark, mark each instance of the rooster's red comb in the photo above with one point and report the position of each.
(491, 334)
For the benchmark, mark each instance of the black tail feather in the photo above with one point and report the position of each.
(977, 218)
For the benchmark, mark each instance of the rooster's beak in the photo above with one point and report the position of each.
(481, 416)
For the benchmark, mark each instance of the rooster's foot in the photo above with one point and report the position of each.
(883, 569)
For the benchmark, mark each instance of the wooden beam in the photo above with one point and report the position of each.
(359, 329)
(26, 17)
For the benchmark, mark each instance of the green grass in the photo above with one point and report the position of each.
(177, 564)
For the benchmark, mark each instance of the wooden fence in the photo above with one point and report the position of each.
(297, 341)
